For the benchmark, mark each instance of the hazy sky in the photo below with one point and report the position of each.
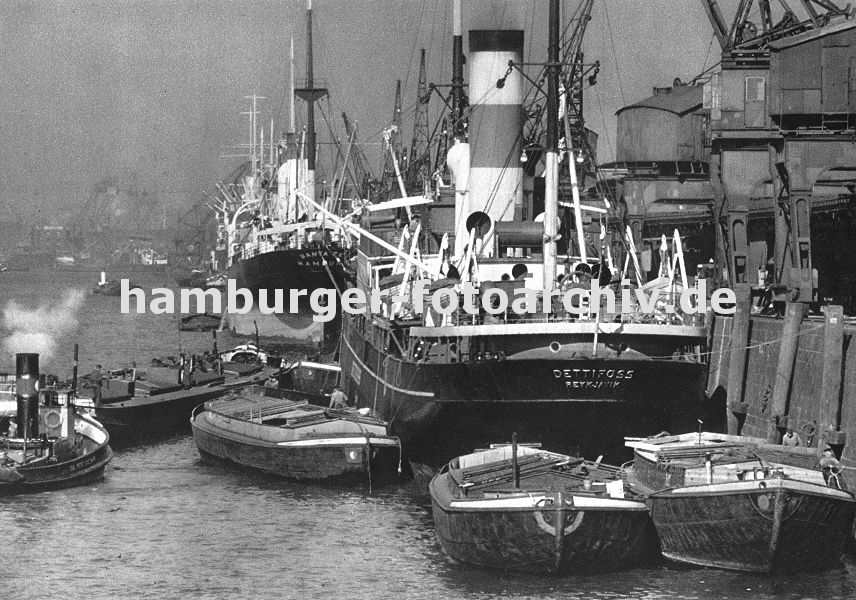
(153, 90)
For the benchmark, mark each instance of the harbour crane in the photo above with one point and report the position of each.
(747, 41)
(419, 164)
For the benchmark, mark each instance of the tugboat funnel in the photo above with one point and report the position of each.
(27, 393)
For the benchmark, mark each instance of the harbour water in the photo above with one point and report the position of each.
(165, 525)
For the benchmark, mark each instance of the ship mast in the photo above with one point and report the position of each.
(551, 172)
(458, 100)
(310, 94)
(291, 89)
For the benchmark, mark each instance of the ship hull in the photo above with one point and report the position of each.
(782, 527)
(147, 418)
(290, 269)
(524, 540)
(85, 466)
(571, 405)
(287, 269)
(340, 460)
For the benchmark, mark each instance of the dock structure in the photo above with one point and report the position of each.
(800, 375)
(754, 161)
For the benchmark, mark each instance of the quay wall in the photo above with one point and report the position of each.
(811, 390)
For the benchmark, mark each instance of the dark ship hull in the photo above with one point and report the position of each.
(287, 269)
(538, 512)
(308, 269)
(560, 399)
(83, 465)
(780, 528)
(157, 414)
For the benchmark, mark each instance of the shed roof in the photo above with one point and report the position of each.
(680, 100)
(813, 34)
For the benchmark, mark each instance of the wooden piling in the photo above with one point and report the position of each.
(785, 370)
(830, 390)
(737, 359)
(715, 376)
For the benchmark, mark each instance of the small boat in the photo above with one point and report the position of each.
(217, 280)
(310, 380)
(112, 287)
(195, 278)
(741, 503)
(266, 430)
(525, 509)
(200, 322)
(139, 406)
(47, 445)
(245, 353)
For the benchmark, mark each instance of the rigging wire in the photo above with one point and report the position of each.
(614, 53)
(706, 56)
(413, 47)
(603, 122)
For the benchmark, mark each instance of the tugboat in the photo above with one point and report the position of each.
(48, 445)
(519, 508)
(741, 503)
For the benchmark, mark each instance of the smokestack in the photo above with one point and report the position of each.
(74, 373)
(27, 393)
(495, 130)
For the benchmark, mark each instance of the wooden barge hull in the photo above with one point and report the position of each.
(146, 418)
(511, 534)
(766, 526)
(335, 459)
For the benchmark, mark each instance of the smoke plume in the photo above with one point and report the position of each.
(39, 329)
